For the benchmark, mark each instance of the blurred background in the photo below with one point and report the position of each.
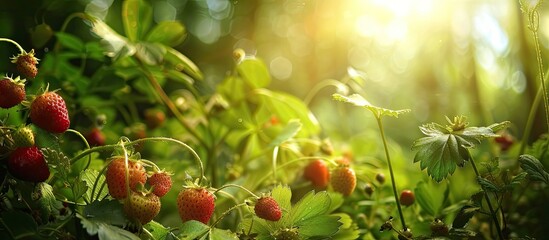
(472, 58)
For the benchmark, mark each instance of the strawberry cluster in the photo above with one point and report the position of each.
(140, 204)
(47, 110)
(342, 179)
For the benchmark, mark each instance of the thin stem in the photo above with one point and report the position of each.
(531, 117)
(380, 125)
(492, 213)
(14, 43)
(85, 142)
(326, 83)
(226, 213)
(540, 64)
(127, 169)
(237, 186)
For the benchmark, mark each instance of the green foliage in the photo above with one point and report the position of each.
(360, 101)
(533, 168)
(431, 197)
(446, 147)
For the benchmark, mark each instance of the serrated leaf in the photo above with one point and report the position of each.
(283, 196)
(336, 201)
(136, 17)
(70, 41)
(254, 72)
(171, 33)
(348, 229)
(360, 101)
(192, 230)
(58, 161)
(288, 132)
(89, 177)
(446, 147)
(311, 205)
(464, 215)
(323, 225)
(46, 199)
(533, 167)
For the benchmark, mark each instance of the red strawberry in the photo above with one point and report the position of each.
(343, 180)
(195, 204)
(23, 137)
(95, 137)
(317, 172)
(407, 198)
(28, 164)
(26, 64)
(49, 112)
(116, 177)
(268, 209)
(12, 92)
(141, 207)
(162, 183)
(154, 118)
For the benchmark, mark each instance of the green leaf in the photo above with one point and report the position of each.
(310, 206)
(171, 33)
(221, 234)
(446, 147)
(287, 107)
(180, 77)
(336, 201)
(21, 225)
(116, 46)
(254, 72)
(533, 167)
(107, 232)
(283, 196)
(105, 211)
(192, 230)
(70, 41)
(182, 63)
(288, 132)
(360, 101)
(157, 230)
(348, 229)
(58, 161)
(137, 17)
(431, 196)
(46, 199)
(323, 225)
(150, 53)
(464, 215)
(89, 177)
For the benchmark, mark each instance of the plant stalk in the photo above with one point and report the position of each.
(492, 213)
(380, 125)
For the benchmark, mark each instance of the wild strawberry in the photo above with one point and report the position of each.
(116, 177)
(23, 137)
(318, 173)
(142, 207)
(368, 189)
(12, 92)
(505, 140)
(407, 198)
(438, 228)
(162, 183)
(195, 204)
(268, 209)
(343, 180)
(154, 118)
(380, 177)
(95, 137)
(26, 64)
(49, 112)
(28, 164)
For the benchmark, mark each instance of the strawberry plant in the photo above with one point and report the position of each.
(141, 119)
